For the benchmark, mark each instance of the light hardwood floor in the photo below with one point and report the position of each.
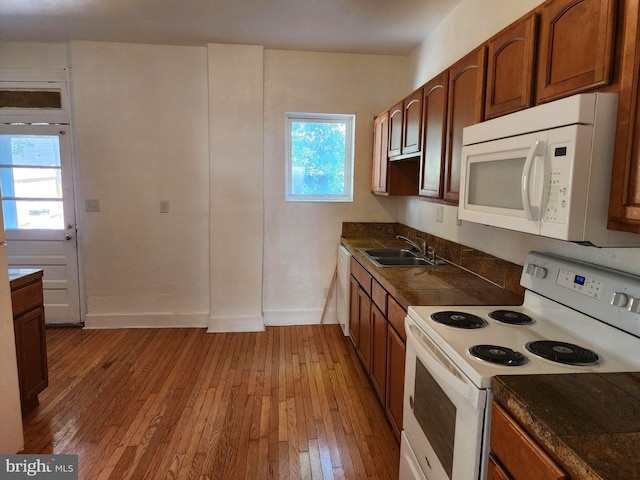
(290, 402)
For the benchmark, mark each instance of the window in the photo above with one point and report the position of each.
(30, 175)
(319, 157)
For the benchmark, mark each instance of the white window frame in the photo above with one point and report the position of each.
(349, 120)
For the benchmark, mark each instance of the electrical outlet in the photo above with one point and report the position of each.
(439, 214)
(164, 206)
(92, 205)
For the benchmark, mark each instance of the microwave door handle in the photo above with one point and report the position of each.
(535, 151)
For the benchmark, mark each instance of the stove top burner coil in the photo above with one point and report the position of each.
(499, 355)
(511, 317)
(562, 352)
(458, 319)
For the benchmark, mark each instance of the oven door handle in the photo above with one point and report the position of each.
(442, 369)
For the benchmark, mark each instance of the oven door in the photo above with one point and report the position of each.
(503, 182)
(444, 412)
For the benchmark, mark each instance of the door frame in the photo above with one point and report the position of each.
(57, 79)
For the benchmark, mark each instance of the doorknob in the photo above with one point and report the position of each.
(68, 237)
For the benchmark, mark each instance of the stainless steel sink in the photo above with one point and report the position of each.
(389, 252)
(399, 257)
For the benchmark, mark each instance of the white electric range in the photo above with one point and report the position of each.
(576, 317)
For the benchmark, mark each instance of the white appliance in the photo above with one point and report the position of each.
(545, 171)
(342, 288)
(561, 327)
(11, 435)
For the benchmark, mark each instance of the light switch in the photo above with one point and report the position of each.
(92, 205)
(439, 214)
(164, 206)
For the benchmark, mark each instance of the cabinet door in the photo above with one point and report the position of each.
(434, 121)
(412, 126)
(576, 47)
(354, 313)
(395, 129)
(495, 471)
(624, 200)
(380, 147)
(520, 455)
(466, 92)
(379, 353)
(510, 68)
(365, 335)
(31, 352)
(395, 380)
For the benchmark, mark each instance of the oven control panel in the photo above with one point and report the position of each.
(579, 283)
(611, 296)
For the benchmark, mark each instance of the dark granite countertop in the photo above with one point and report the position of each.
(589, 422)
(437, 285)
(19, 277)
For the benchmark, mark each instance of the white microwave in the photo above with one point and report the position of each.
(545, 171)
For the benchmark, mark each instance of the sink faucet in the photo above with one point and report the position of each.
(422, 247)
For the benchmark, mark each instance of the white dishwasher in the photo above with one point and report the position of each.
(342, 288)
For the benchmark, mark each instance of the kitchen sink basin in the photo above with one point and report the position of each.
(399, 257)
(389, 252)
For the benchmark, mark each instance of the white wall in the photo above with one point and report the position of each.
(141, 130)
(236, 215)
(300, 239)
(460, 33)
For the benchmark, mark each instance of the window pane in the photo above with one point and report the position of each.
(30, 150)
(31, 182)
(318, 158)
(33, 214)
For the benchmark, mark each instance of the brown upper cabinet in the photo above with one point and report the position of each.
(434, 120)
(395, 129)
(465, 107)
(380, 142)
(390, 178)
(624, 200)
(412, 123)
(576, 47)
(510, 68)
(405, 127)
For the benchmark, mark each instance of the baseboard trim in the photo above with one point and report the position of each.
(235, 323)
(145, 320)
(282, 318)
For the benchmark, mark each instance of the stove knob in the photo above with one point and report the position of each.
(619, 299)
(634, 305)
(539, 272)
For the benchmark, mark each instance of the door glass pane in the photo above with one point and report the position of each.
(496, 183)
(436, 415)
(31, 180)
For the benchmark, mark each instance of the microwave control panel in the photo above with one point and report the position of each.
(558, 200)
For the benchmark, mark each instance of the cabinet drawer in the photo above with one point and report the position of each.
(518, 452)
(395, 315)
(26, 298)
(361, 275)
(379, 296)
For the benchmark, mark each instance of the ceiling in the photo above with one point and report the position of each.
(357, 26)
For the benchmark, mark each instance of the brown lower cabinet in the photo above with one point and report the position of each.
(515, 455)
(376, 327)
(31, 346)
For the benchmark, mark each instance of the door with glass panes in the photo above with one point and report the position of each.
(38, 210)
